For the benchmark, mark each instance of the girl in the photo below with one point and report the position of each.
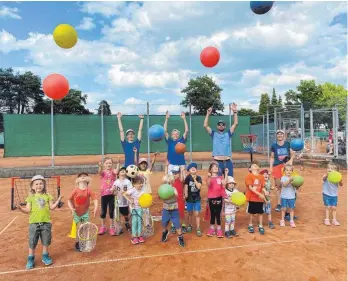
(39, 204)
(216, 192)
(267, 208)
(108, 177)
(132, 196)
(330, 194)
(230, 209)
(287, 196)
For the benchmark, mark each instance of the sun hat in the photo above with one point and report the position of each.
(37, 177)
(141, 160)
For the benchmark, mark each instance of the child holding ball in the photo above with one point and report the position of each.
(230, 208)
(287, 195)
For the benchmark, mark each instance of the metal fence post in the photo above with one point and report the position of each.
(148, 127)
(268, 135)
(52, 133)
(337, 124)
(303, 131)
(275, 120)
(230, 124)
(263, 133)
(190, 130)
(102, 130)
(311, 129)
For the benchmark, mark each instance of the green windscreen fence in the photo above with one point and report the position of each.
(30, 135)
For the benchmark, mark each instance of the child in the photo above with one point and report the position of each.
(330, 195)
(216, 192)
(79, 201)
(287, 195)
(230, 209)
(255, 183)
(108, 177)
(170, 212)
(267, 208)
(192, 191)
(121, 185)
(39, 204)
(132, 196)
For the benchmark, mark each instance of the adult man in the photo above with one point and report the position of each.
(222, 141)
(129, 143)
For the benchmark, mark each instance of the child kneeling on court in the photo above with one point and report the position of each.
(170, 212)
(79, 202)
(287, 196)
(39, 204)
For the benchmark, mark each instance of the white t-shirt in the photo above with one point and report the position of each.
(229, 207)
(122, 186)
(288, 192)
(330, 189)
(135, 194)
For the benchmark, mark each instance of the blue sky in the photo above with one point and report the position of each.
(129, 53)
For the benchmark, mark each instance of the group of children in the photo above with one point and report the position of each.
(118, 190)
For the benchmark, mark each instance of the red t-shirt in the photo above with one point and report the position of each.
(216, 188)
(80, 200)
(254, 180)
(179, 186)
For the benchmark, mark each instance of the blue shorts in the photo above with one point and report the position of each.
(288, 203)
(171, 215)
(194, 206)
(225, 164)
(329, 200)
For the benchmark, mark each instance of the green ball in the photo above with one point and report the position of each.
(297, 181)
(166, 191)
(334, 177)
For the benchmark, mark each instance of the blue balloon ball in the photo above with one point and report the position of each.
(296, 144)
(156, 133)
(261, 7)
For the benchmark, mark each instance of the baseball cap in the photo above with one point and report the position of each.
(141, 160)
(82, 174)
(192, 165)
(231, 180)
(129, 131)
(264, 171)
(37, 177)
(175, 169)
(280, 131)
(221, 122)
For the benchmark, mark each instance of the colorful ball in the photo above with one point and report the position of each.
(166, 191)
(156, 133)
(180, 148)
(334, 177)
(238, 198)
(297, 144)
(210, 57)
(261, 7)
(145, 200)
(55, 86)
(65, 36)
(132, 171)
(297, 181)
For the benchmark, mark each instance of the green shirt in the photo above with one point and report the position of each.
(39, 207)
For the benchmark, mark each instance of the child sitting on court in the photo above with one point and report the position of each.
(267, 208)
(39, 204)
(132, 196)
(330, 195)
(230, 208)
(287, 195)
(170, 212)
(254, 184)
(79, 201)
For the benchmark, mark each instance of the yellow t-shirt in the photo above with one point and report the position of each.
(146, 175)
(39, 207)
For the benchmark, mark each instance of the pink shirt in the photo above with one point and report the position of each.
(216, 188)
(107, 179)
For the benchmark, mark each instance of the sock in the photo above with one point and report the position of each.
(212, 226)
(219, 227)
(227, 227)
(232, 226)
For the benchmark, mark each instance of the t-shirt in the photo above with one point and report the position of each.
(171, 203)
(128, 151)
(330, 189)
(280, 152)
(81, 200)
(135, 194)
(287, 192)
(194, 194)
(146, 175)
(107, 179)
(178, 185)
(216, 188)
(173, 157)
(39, 207)
(221, 143)
(257, 181)
(229, 207)
(121, 186)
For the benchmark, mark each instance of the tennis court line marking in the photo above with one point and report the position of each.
(8, 225)
(167, 254)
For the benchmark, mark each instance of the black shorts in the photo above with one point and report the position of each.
(124, 211)
(255, 208)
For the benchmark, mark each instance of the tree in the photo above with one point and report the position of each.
(255, 118)
(106, 108)
(280, 100)
(264, 103)
(202, 93)
(274, 98)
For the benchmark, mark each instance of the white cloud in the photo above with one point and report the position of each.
(106, 9)
(86, 24)
(7, 12)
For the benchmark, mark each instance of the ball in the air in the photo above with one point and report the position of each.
(65, 36)
(132, 171)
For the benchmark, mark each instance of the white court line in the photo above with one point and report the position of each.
(9, 224)
(168, 254)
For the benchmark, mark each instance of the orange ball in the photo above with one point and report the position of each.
(180, 148)
(55, 86)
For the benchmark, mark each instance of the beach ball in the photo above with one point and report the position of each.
(166, 191)
(145, 200)
(297, 181)
(238, 198)
(334, 177)
(210, 56)
(65, 36)
(296, 144)
(55, 86)
(261, 7)
(156, 133)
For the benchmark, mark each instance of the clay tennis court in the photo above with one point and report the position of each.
(312, 251)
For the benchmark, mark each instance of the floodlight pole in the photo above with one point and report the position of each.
(102, 130)
(190, 120)
(52, 133)
(268, 135)
(148, 136)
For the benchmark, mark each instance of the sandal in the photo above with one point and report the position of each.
(251, 229)
(261, 230)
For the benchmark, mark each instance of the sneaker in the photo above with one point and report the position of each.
(287, 217)
(335, 222)
(141, 239)
(164, 236)
(102, 230)
(172, 229)
(199, 232)
(292, 224)
(112, 231)
(181, 241)
(278, 208)
(128, 226)
(282, 223)
(271, 225)
(251, 229)
(30, 262)
(227, 234)
(261, 230)
(211, 232)
(46, 259)
(183, 229)
(135, 240)
(189, 228)
(327, 222)
(77, 247)
(219, 233)
(233, 233)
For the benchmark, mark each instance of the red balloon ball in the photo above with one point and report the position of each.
(210, 57)
(55, 86)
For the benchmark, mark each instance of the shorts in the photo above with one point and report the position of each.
(171, 215)
(170, 168)
(124, 211)
(287, 203)
(330, 201)
(196, 206)
(81, 219)
(255, 208)
(278, 171)
(267, 208)
(223, 164)
(42, 231)
(230, 218)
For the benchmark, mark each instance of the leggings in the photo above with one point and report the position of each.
(107, 201)
(215, 206)
(137, 222)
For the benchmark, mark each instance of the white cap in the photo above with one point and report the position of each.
(280, 131)
(37, 177)
(129, 130)
(231, 180)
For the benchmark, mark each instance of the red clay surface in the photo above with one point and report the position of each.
(310, 252)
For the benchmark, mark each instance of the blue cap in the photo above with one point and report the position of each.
(191, 166)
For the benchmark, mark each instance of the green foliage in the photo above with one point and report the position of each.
(106, 108)
(264, 103)
(274, 98)
(249, 112)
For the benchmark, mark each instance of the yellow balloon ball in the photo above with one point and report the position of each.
(293, 174)
(238, 198)
(65, 36)
(145, 200)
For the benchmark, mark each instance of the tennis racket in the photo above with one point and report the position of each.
(117, 218)
(87, 235)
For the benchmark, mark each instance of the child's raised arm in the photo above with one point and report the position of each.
(224, 182)
(182, 174)
(197, 183)
(135, 150)
(55, 204)
(117, 165)
(100, 168)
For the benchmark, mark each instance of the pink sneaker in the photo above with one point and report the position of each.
(335, 222)
(292, 224)
(211, 232)
(112, 231)
(135, 240)
(141, 239)
(102, 230)
(282, 223)
(327, 222)
(219, 233)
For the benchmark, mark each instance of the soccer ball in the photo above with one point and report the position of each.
(132, 171)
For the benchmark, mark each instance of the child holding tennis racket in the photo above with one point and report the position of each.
(39, 204)
(79, 202)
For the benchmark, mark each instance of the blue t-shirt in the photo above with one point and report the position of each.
(128, 151)
(280, 152)
(221, 143)
(288, 191)
(173, 157)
